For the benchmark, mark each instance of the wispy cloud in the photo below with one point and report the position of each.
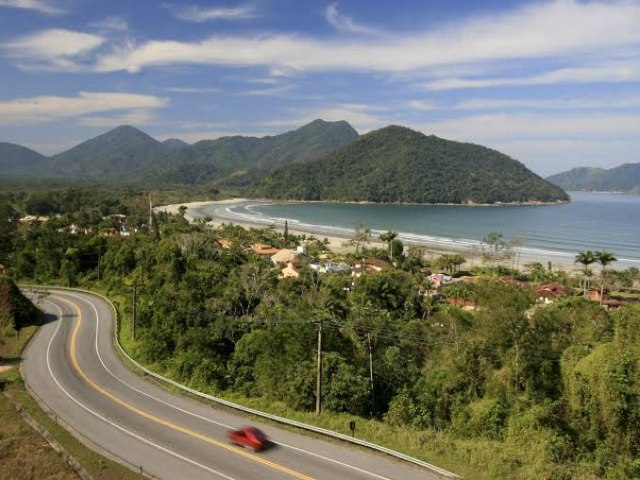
(614, 71)
(200, 14)
(135, 117)
(54, 48)
(53, 108)
(41, 6)
(343, 23)
(421, 105)
(269, 91)
(193, 89)
(361, 116)
(551, 103)
(560, 29)
(111, 24)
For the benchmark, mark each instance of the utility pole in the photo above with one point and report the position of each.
(150, 213)
(319, 377)
(135, 302)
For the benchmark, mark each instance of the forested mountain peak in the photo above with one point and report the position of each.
(397, 164)
(16, 159)
(625, 178)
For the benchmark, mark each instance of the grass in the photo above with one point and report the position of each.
(24, 453)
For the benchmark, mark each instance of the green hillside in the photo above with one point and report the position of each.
(123, 152)
(623, 178)
(241, 160)
(19, 160)
(396, 164)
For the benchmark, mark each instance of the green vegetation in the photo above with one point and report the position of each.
(131, 156)
(624, 178)
(396, 164)
(504, 387)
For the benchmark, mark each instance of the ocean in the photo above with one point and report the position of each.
(594, 221)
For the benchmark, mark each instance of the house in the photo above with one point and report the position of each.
(368, 265)
(109, 232)
(33, 218)
(284, 256)
(330, 267)
(549, 292)
(224, 243)
(79, 230)
(440, 279)
(263, 249)
(290, 271)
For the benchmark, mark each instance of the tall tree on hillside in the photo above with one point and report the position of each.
(9, 222)
(604, 258)
(586, 258)
(388, 238)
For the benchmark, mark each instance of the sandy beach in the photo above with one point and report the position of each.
(338, 243)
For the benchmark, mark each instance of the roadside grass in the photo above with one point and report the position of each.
(24, 453)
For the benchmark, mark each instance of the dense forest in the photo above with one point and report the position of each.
(396, 164)
(511, 388)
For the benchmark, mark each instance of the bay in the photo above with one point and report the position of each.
(594, 221)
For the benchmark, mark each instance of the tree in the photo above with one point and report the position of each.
(362, 236)
(604, 258)
(388, 237)
(496, 248)
(9, 222)
(586, 258)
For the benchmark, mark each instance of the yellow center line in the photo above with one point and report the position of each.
(161, 421)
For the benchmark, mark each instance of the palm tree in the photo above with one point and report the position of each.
(604, 258)
(389, 237)
(586, 258)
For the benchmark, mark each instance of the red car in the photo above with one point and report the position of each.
(249, 437)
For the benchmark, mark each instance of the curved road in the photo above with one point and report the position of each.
(73, 368)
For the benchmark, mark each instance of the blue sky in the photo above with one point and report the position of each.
(555, 84)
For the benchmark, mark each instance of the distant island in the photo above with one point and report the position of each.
(325, 161)
(399, 165)
(623, 178)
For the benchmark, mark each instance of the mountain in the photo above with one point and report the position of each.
(128, 154)
(174, 144)
(241, 160)
(396, 164)
(124, 153)
(623, 178)
(19, 160)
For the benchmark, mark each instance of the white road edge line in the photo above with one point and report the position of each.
(128, 432)
(200, 417)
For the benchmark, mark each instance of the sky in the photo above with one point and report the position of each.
(554, 84)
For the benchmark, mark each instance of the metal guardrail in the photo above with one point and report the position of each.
(340, 436)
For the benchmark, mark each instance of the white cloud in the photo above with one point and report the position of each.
(54, 48)
(551, 104)
(492, 127)
(53, 108)
(617, 71)
(422, 105)
(361, 117)
(135, 117)
(111, 24)
(193, 89)
(41, 6)
(342, 23)
(199, 14)
(561, 28)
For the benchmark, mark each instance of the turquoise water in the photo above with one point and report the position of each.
(595, 221)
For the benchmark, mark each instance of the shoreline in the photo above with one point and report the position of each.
(433, 249)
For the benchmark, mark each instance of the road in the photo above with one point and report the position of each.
(73, 368)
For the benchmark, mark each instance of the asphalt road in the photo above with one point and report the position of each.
(73, 368)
